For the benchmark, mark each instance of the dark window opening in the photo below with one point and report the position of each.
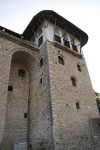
(41, 80)
(41, 62)
(57, 38)
(66, 43)
(10, 88)
(30, 147)
(77, 105)
(60, 60)
(40, 41)
(25, 115)
(74, 47)
(79, 68)
(22, 73)
(73, 82)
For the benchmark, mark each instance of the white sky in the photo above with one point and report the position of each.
(16, 15)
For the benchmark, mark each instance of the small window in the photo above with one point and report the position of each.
(66, 43)
(41, 80)
(40, 41)
(77, 105)
(25, 115)
(74, 47)
(41, 62)
(10, 88)
(57, 38)
(73, 81)
(22, 73)
(60, 60)
(78, 67)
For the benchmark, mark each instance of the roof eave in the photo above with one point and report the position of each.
(60, 21)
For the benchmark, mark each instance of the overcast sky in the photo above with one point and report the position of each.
(16, 15)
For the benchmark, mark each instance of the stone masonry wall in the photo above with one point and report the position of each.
(14, 104)
(41, 135)
(4, 77)
(12, 109)
(71, 125)
(15, 130)
(55, 122)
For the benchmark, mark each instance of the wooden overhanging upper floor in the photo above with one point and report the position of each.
(53, 17)
(57, 20)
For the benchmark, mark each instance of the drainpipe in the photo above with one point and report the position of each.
(28, 118)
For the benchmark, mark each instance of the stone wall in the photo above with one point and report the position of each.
(14, 104)
(42, 133)
(17, 101)
(71, 125)
(4, 77)
(16, 128)
(46, 96)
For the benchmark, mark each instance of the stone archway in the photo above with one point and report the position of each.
(23, 67)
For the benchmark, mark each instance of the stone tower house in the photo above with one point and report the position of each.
(46, 97)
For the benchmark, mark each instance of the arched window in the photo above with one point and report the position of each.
(22, 73)
(77, 105)
(60, 60)
(41, 62)
(10, 88)
(79, 67)
(73, 81)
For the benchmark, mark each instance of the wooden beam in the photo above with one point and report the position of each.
(46, 22)
(34, 33)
